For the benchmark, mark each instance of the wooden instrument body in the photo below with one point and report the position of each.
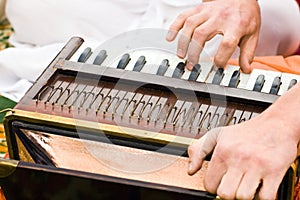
(75, 108)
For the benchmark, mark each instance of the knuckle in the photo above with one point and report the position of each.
(265, 161)
(224, 13)
(245, 21)
(199, 7)
(223, 151)
(193, 58)
(219, 61)
(182, 16)
(243, 196)
(231, 42)
(209, 187)
(225, 193)
(175, 26)
(267, 195)
(199, 34)
(191, 150)
(189, 22)
(245, 153)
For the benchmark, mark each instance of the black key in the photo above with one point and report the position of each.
(259, 83)
(163, 67)
(179, 70)
(275, 85)
(195, 72)
(218, 76)
(85, 55)
(100, 57)
(139, 64)
(123, 61)
(235, 79)
(292, 83)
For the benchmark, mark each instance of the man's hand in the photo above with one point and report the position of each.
(237, 20)
(247, 158)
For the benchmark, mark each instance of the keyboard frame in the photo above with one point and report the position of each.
(26, 114)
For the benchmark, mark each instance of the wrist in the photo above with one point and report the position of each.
(274, 122)
(283, 114)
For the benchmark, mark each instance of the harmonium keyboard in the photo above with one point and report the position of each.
(89, 130)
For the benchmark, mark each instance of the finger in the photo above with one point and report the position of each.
(230, 183)
(247, 49)
(188, 31)
(228, 45)
(201, 34)
(200, 149)
(270, 185)
(179, 22)
(193, 53)
(214, 173)
(248, 185)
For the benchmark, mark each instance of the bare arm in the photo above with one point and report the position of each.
(255, 152)
(237, 20)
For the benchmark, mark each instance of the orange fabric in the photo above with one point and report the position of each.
(2, 197)
(289, 64)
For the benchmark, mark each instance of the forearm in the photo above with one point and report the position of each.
(285, 112)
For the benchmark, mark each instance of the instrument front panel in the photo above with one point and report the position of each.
(143, 107)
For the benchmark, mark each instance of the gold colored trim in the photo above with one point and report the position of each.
(115, 130)
(7, 167)
(292, 182)
(23, 153)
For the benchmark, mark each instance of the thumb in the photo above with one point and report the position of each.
(200, 149)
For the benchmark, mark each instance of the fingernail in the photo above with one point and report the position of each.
(189, 65)
(170, 35)
(215, 67)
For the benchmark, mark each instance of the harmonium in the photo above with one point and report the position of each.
(90, 130)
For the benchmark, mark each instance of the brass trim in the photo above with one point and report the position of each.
(7, 167)
(115, 130)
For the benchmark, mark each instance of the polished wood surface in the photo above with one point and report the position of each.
(118, 161)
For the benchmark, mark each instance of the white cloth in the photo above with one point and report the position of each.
(43, 26)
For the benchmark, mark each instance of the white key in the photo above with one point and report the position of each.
(285, 81)
(153, 59)
(228, 71)
(110, 60)
(173, 62)
(253, 76)
(79, 51)
(269, 78)
(210, 76)
(170, 70)
(186, 74)
(244, 79)
(133, 58)
(206, 68)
